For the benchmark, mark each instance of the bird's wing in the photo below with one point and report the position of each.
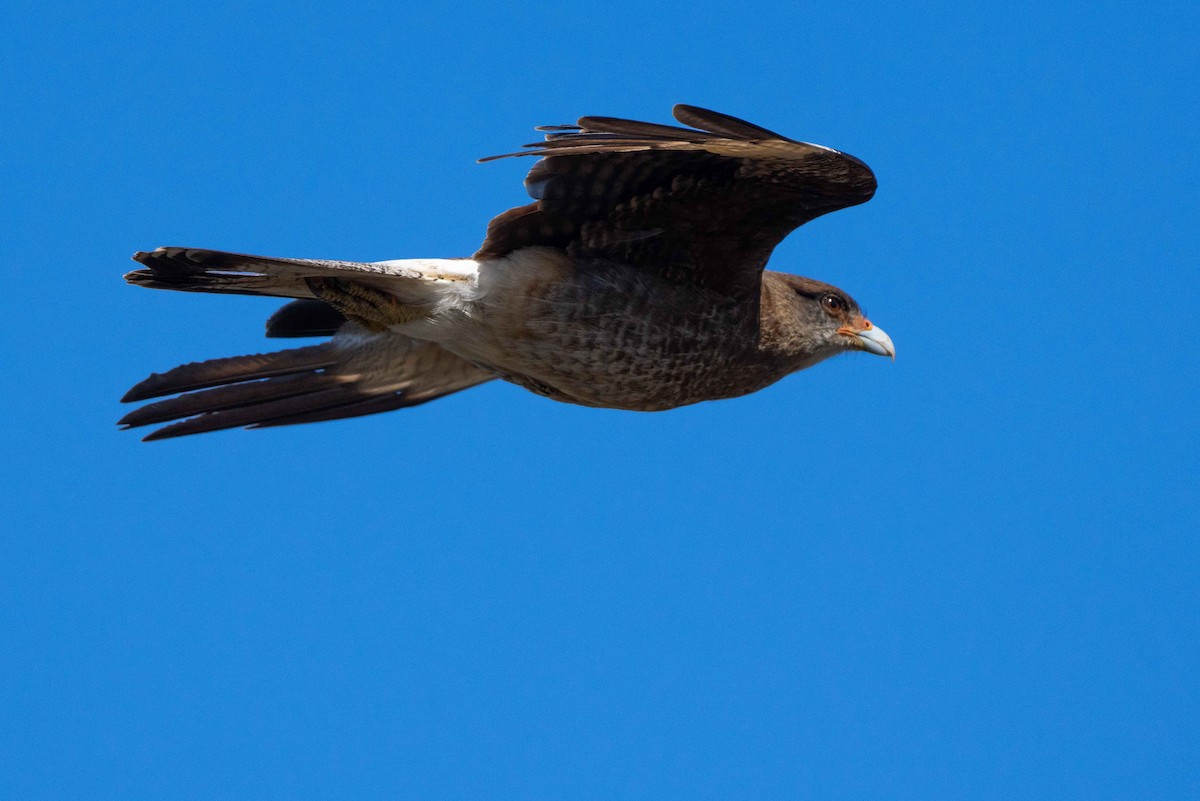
(359, 372)
(704, 205)
(305, 318)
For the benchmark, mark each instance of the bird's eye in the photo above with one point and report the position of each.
(833, 303)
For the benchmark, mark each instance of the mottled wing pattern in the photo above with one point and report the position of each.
(704, 205)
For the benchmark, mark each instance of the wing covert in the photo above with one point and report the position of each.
(705, 204)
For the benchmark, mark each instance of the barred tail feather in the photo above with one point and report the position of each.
(202, 270)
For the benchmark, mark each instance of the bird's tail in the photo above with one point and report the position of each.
(358, 372)
(376, 294)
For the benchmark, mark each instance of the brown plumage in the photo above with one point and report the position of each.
(634, 280)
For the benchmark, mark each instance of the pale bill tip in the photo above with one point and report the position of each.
(875, 340)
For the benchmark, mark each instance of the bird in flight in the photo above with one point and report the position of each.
(635, 280)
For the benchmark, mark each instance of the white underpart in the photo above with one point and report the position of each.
(437, 283)
(456, 284)
(440, 269)
(465, 298)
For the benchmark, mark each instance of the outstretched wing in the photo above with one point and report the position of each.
(704, 205)
(358, 373)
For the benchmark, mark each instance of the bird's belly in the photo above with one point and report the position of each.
(615, 384)
(637, 350)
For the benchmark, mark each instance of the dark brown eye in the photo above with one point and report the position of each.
(833, 303)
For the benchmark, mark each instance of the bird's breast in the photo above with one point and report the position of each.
(611, 336)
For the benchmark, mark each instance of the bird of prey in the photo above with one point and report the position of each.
(635, 280)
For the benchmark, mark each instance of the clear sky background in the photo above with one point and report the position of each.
(971, 574)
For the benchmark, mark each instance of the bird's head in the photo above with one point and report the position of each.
(818, 320)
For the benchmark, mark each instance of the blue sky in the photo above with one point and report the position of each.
(970, 574)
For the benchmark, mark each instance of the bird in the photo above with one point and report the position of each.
(636, 280)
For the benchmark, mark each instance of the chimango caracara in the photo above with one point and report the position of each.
(635, 280)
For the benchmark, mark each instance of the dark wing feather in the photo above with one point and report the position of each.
(704, 205)
(363, 373)
(305, 318)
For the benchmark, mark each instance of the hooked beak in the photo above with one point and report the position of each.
(870, 338)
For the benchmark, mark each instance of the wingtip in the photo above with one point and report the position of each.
(147, 256)
(689, 115)
(138, 277)
(136, 418)
(143, 390)
(153, 435)
(137, 392)
(166, 432)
